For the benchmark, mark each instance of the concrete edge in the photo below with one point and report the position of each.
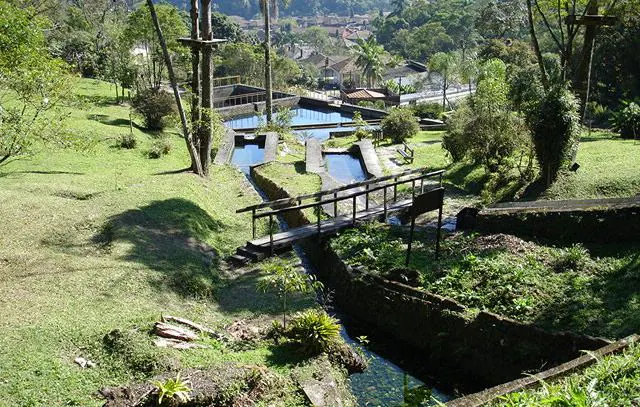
(369, 158)
(488, 395)
(227, 144)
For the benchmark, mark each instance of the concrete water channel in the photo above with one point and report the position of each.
(391, 379)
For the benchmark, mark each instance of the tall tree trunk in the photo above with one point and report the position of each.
(444, 93)
(267, 60)
(207, 90)
(536, 47)
(195, 160)
(195, 68)
(581, 77)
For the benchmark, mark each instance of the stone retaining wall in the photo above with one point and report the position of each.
(570, 221)
(479, 351)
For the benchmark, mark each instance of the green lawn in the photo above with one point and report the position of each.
(110, 239)
(609, 167)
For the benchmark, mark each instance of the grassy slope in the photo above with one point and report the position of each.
(609, 167)
(94, 241)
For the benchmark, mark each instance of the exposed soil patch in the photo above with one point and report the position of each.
(504, 242)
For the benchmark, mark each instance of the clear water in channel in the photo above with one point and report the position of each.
(244, 156)
(344, 167)
(302, 116)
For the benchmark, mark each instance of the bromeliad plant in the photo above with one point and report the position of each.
(283, 279)
(173, 388)
(314, 330)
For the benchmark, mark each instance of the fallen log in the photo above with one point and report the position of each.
(177, 344)
(174, 332)
(191, 324)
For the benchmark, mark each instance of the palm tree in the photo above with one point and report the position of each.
(445, 64)
(369, 59)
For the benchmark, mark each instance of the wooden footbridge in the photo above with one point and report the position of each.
(382, 196)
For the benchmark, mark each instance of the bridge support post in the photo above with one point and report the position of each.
(366, 198)
(335, 205)
(271, 234)
(253, 219)
(354, 210)
(384, 203)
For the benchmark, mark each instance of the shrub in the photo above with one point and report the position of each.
(128, 141)
(314, 330)
(428, 110)
(373, 104)
(556, 129)
(159, 148)
(153, 105)
(627, 120)
(400, 124)
(362, 129)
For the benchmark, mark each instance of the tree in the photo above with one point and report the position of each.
(140, 33)
(556, 129)
(369, 58)
(400, 124)
(446, 65)
(32, 87)
(284, 280)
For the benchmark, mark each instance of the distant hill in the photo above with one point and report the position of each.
(296, 7)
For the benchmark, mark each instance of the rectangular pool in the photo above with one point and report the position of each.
(344, 167)
(302, 116)
(247, 153)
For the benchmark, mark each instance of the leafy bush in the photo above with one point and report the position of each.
(173, 388)
(627, 120)
(556, 129)
(314, 330)
(485, 129)
(428, 110)
(599, 115)
(400, 124)
(159, 148)
(153, 105)
(281, 124)
(128, 141)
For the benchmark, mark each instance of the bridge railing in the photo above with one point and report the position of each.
(278, 207)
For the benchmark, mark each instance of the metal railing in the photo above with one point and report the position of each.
(282, 206)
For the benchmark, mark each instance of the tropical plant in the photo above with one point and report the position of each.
(314, 330)
(173, 388)
(362, 127)
(284, 280)
(446, 65)
(627, 120)
(400, 124)
(153, 105)
(369, 58)
(556, 129)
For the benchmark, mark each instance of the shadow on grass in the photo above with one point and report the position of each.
(241, 294)
(458, 175)
(286, 354)
(168, 236)
(117, 122)
(609, 308)
(300, 167)
(53, 172)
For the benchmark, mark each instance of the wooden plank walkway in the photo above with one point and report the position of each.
(331, 226)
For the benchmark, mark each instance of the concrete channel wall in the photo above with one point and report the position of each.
(571, 220)
(479, 350)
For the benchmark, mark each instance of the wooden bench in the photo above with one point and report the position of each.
(406, 152)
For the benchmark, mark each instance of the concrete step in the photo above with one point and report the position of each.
(250, 253)
(239, 260)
